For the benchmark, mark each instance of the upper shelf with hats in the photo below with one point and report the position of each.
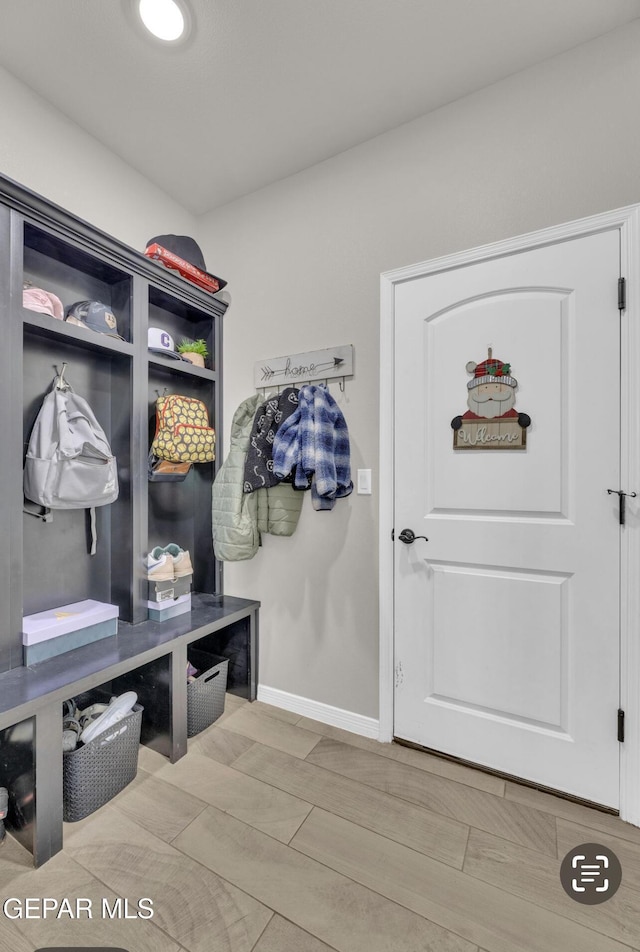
(71, 293)
(66, 287)
(53, 233)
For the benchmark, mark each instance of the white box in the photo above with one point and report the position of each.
(163, 611)
(57, 630)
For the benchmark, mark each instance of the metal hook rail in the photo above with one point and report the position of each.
(334, 363)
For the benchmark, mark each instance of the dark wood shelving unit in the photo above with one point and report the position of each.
(43, 566)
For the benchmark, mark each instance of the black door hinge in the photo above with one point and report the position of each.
(621, 725)
(622, 294)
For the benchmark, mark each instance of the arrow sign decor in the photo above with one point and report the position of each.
(299, 369)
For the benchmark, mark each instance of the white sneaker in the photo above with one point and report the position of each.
(117, 708)
(159, 565)
(181, 560)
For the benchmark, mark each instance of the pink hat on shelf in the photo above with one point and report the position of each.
(36, 299)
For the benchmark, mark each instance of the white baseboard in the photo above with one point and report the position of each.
(325, 713)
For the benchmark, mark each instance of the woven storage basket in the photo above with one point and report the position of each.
(93, 773)
(205, 695)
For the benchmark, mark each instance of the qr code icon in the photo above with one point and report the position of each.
(591, 873)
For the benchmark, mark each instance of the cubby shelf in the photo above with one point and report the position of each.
(182, 367)
(46, 326)
(46, 565)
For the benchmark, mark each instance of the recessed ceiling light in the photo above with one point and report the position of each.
(167, 20)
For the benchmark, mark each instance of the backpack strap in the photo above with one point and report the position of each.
(94, 533)
(35, 509)
(46, 514)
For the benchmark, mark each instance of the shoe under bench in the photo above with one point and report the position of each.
(149, 658)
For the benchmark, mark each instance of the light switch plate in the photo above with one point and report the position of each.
(364, 482)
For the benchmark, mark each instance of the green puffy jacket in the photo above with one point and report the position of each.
(238, 518)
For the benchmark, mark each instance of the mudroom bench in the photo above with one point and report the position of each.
(149, 658)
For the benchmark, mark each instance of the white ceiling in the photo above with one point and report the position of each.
(266, 88)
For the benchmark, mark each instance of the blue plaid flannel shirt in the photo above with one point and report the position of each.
(313, 445)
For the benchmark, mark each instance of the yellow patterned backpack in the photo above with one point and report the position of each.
(183, 433)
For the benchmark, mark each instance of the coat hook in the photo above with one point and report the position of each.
(61, 383)
(341, 385)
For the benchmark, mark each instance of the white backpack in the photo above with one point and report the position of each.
(69, 463)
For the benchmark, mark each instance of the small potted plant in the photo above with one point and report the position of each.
(194, 350)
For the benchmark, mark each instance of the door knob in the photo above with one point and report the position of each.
(408, 536)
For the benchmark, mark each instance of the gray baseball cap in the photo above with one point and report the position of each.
(95, 316)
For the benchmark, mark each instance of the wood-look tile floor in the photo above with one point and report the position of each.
(279, 834)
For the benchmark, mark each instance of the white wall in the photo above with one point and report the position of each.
(303, 259)
(46, 152)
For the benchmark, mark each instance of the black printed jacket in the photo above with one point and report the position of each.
(258, 468)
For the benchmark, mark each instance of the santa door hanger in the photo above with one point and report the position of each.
(492, 421)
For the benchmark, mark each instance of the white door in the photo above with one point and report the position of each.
(507, 618)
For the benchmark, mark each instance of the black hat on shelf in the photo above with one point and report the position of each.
(186, 248)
